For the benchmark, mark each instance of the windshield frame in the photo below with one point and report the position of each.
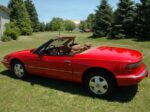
(46, 44)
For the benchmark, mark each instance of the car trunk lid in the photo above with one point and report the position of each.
(113, 53)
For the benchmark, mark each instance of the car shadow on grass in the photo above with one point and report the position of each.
(122, 95)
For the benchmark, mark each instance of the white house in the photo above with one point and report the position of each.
(4, 18)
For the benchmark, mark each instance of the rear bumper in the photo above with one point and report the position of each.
(132, 79)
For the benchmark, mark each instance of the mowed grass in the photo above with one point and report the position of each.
(37, 94)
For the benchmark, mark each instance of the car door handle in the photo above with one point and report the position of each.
(67, 61)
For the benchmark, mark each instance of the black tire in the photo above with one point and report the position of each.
(103, 77)
(17, 73)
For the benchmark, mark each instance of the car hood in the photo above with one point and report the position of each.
(113, 53)
(22, 52)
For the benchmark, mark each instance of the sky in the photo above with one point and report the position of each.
(66, 9)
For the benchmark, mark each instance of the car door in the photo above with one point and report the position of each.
(59, 67)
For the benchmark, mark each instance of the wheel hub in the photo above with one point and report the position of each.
(98, 85)
(19, 71)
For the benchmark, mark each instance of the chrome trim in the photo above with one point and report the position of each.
(49, 69)
(77, 72)
(67, 61)
(143, 73)
(53, 69)
(140, 75)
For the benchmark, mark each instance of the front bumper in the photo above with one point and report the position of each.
(6, 63)
(132, 79)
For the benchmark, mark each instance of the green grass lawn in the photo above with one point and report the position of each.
(37, 94)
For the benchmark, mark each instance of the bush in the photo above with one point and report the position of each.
(5, 38)
(11, 33)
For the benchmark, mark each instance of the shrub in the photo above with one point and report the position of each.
(5, 38)
(11, 32)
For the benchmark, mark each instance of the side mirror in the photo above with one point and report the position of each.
(41, 53)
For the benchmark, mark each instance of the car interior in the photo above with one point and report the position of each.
(65, 46)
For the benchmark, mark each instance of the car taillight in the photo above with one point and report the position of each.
(134, 65)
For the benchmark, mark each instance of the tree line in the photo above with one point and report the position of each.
(25, 16)
(58, 24)
(24, 21)
(127, 21)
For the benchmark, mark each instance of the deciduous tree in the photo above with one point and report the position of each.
(83, 25)
(42, 27)
(69, 25)
(57, 24)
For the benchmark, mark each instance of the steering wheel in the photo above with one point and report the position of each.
(52, 47)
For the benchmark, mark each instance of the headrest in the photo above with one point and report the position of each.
(76, 48)
(88, 44)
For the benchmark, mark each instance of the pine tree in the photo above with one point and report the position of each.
(90, 21)
(33, 15)
(123, 20)
(19, 15)
(102, 22)
(142, 21)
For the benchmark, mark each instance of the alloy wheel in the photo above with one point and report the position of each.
(19, 70)
(98, 85)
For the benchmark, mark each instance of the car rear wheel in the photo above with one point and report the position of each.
(99, 83)
(19, 69)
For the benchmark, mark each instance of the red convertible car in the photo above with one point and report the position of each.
(100, 69)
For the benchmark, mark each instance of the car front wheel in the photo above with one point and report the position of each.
(19, 69)
(99, 84)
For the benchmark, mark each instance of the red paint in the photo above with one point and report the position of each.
(71, 68)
